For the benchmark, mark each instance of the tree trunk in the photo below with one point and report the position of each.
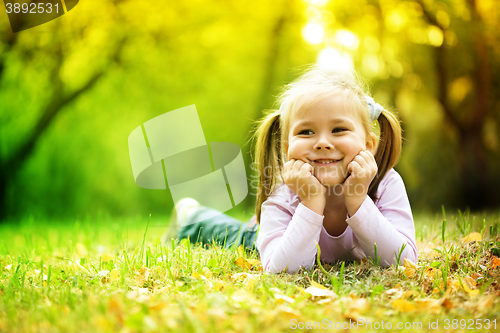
(473, 170)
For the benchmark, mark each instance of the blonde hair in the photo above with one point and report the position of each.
(271, 134)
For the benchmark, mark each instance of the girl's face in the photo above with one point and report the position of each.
(328, 137)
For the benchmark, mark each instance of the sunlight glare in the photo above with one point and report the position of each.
(313, 33)
(347, 39)
(331, 58)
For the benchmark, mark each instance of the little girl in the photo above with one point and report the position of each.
(331, 183)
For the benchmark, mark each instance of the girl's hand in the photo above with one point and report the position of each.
(362, 169)
(299, 177)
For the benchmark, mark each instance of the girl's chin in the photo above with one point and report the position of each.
(328, 182)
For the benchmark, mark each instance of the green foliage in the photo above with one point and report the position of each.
(225, 58)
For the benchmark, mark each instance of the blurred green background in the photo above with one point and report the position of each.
(73, 89)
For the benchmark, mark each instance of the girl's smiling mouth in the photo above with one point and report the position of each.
(325, 162)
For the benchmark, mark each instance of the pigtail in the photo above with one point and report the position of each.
(388, 149)
(268, 155)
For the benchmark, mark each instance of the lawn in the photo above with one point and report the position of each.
(113, 275)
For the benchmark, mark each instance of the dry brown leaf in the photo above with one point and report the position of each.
(472, 237)
(402, 305)
(410, 268)
(447, 304)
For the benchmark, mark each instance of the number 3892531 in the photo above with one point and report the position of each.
(31, 8)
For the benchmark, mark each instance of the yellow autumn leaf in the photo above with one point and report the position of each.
(410, 293)
(318, 290)
(142, 276)
(431, 273)
(429, 305)
(283, 298)
(255, 264)
(114, 274)
(410, 268)
(207, 272)
(472, 237)
(107, 257)
(402, 305)
(243, 263)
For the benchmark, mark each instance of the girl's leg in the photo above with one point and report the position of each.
(206, 225)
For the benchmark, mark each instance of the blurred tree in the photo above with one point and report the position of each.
(54, 55)
(418, 51)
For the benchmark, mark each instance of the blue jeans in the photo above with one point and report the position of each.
(221, 229)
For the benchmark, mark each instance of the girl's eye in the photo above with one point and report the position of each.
(339, 129)
(306, 132)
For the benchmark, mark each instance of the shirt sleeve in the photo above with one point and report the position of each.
(388, 224)
(287, 238)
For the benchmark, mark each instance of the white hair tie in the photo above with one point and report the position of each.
(375, 108)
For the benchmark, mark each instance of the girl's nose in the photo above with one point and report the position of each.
(323, 144)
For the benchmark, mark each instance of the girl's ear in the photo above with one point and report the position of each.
(371, 143)
(286, 150)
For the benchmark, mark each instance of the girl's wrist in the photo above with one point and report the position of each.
(316, 204)
(353, 203)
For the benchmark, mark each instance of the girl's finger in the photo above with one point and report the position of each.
(370, 158)
(361, 161)
(353, 168)
(306, 170)
(297, 165)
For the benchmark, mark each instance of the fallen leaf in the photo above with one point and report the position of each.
(318, 290)
(402, 305)
(142, 276)
(472, 237)
(243, 263)
(107, 257)
(494, 262)
(410, 293)
(283, 298)
(429, 305)
(447, 304)
(114, 274)
(410, 268)
(485, 302)
(248, 263)
(431, 273)
(257, 265)
(207, 272)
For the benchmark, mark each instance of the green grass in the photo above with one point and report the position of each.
(114, 276)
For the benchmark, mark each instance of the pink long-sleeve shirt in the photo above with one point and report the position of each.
(289, 230)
